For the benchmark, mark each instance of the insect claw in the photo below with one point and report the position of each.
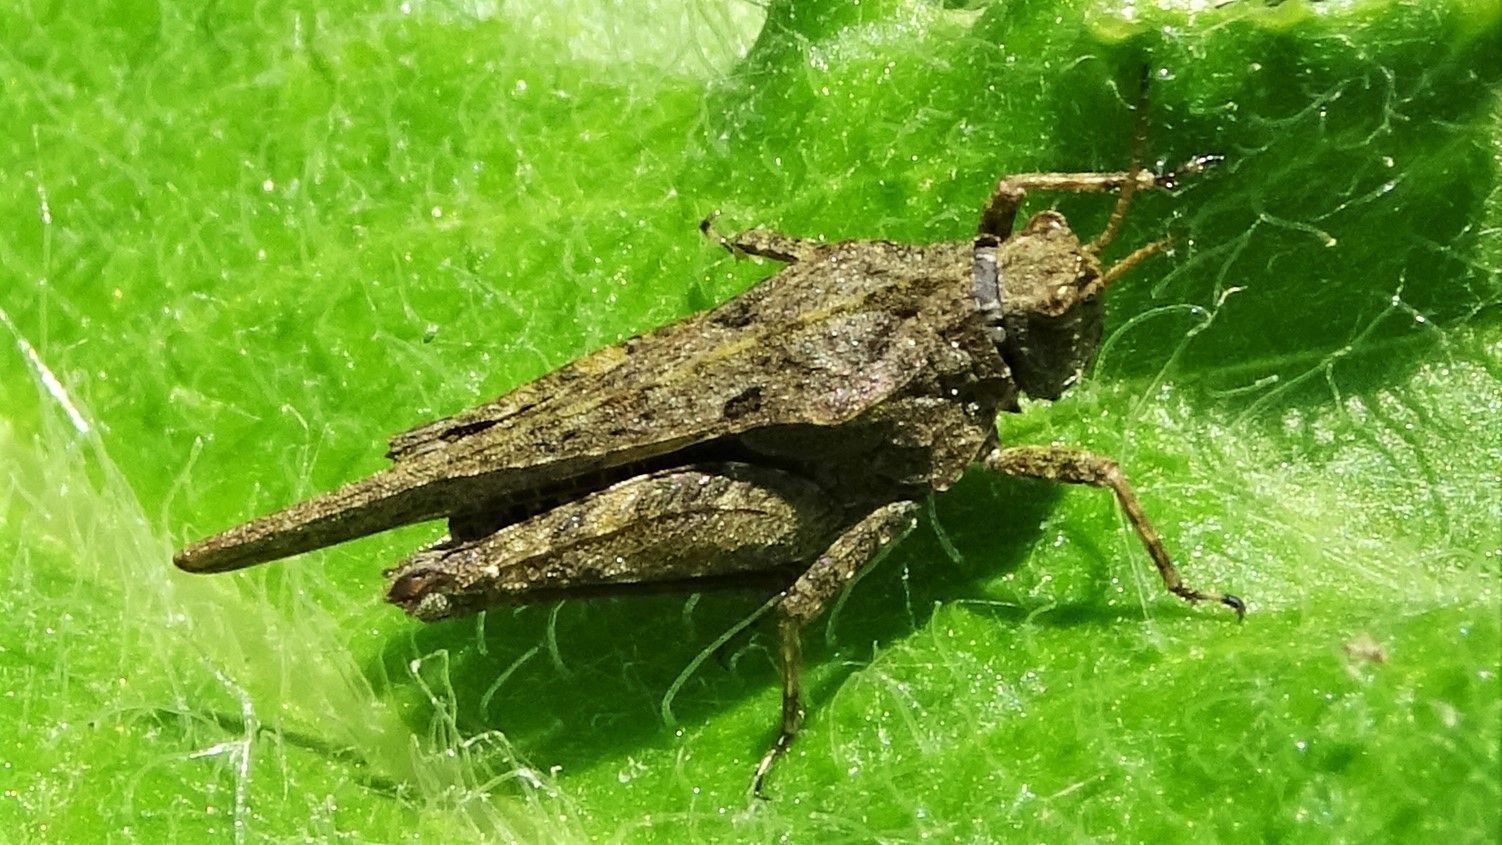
(1236, 604)
(1201, 163)
(1193, 167)
(707, 227)
(757, 793)
(760, 778)
(707, 224)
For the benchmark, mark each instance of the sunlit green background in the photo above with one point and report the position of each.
(243, 241)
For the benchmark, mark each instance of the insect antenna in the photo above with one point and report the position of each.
(1134, 174)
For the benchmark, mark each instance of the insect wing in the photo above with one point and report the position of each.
(789, 351)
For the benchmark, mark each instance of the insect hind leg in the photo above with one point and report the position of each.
(854, 549)
(703, 525)
(761, 242)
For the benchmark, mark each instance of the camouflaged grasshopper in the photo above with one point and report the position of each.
(776, 441)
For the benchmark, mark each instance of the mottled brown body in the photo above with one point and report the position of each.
(863, 368)
(776, 441)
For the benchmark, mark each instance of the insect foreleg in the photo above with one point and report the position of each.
(1076, 466)
(1007, 196)
(807, 597)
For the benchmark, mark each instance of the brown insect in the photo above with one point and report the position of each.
(776, 441)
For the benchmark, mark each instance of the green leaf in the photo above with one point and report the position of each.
(245, 242)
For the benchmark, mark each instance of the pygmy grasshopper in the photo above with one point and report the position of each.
(776, 441)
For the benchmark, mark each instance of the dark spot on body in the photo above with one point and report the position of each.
(459, 432)
(734, 314)
(746, 402)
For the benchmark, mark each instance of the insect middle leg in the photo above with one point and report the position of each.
(1000, 214)
(806, 599)
(1076, 466)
